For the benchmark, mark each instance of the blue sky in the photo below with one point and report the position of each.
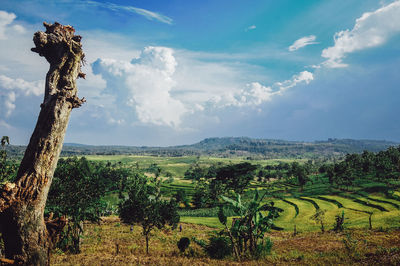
(175, 72)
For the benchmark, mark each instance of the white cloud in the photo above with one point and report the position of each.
(252, 27)
(20, 85)
(302, 42)
(145, 84)
(10, 89)
(150, 15)
(18, 28)
(5, 20)
(304, 76)
(371, 29)
(254, 94)
(161, 95)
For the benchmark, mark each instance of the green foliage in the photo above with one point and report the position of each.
(181, 197)
(195, 172)
(220, 180)
(300, 172)
(384, 164)
(264, 248)
(319, 218)
(155, 169)
(145, 207)
(5, 140)
(200, 197)
(183, 244)
(8, 169)
(76, 192)
(206, 212)
(339, 223)
(235, 177)
(255, 218)
(219, 247)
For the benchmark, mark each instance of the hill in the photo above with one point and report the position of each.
(232, 147)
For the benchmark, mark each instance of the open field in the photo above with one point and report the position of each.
(112, 243)
(176, 165)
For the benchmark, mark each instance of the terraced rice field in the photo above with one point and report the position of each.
(356, 214)
(299, 204)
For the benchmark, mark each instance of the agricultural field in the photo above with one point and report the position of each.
(356, 214)
(176, 165)
(299, 204)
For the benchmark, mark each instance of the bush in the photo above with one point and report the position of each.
(264, 248)
(183, 244)
(219, 247)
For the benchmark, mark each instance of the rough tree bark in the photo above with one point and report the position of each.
(27, 237)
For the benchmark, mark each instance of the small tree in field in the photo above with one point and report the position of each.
(145, 207)
(319, 218)
(7, 168)
(76, 193)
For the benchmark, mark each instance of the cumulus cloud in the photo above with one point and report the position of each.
(255, 93)
(10, 89)
(150, 15)
(5, 20)
(370, 30)
(158, 94)
(145, 84)
(302, 42)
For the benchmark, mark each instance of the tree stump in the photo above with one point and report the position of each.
(26, 237)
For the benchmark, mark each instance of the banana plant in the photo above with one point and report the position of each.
(255, 218)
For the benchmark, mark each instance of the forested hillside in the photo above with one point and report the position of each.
(233, 147)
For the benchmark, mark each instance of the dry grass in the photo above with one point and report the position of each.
(100, 247)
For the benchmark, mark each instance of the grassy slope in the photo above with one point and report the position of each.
(100, 242)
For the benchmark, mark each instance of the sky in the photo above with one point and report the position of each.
(174, 72)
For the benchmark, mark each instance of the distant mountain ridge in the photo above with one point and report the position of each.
(233, 147)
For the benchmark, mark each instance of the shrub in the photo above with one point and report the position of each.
(339, 223)
(264, 248)
(183, 244)
(218, 247)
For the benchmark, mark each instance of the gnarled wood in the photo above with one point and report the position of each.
(25, 234)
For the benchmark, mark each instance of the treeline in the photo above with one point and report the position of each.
(383, 165)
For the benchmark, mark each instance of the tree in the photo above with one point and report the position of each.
(195, 172)
(77, 191)
(234, 177)
(24, 231)
(145, 207)
(319, 218)
(300, 172)
(200, 196)
(181, 197)
(7, 168)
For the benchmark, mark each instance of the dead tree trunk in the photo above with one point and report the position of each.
(27, 237)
